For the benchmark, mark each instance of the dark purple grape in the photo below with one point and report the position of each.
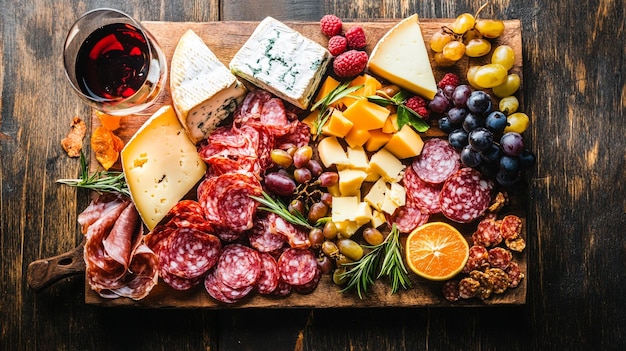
(448, 91)
(506, 179)
(302, 175)
(328, 179)
(457, 115)
(296, 207)
(327, 198)
(480, 139)
(439, 104)
(527, 159)
(458, 138)
(325, 264)
(479, 102)
(445, 125)
(460, 95)
(512, 143)
(316, 238)
(279, 184)
(470, 157)
(472, 121)
(509, 164)
(489, 169)
(491, 154)
(496, 122)
(315, 167)
(316, 211)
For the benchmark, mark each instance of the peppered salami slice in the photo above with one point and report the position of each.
(487, 233)
(510, 227)
(178, 283)
(437, 161)
(465, 195)
(425, 195)
(500, 257)
(189, 253)
(297, 266)
(239, 266)
(515, 274)
(214, 287)
(268, 280)
(478, 259)
(263, 239)
(408, 217)
(310, 286)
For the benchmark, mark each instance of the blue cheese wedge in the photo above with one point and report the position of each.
(204, 91)
(161, 165)
(281, 60)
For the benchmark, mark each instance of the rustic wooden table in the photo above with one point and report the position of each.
(574, 88)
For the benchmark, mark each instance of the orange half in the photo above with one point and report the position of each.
(436, 251)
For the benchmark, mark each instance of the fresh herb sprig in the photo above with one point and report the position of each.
(276, 206)
(101, 181)
(341, 91)
(384, 259)
(405, 114)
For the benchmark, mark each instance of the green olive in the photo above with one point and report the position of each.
(337, 278)
(373, 236)
(316, 237)
(350, 248)
(342, 259)
(330, 230)
(330, 249)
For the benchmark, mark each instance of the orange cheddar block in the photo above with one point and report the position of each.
(391, 124)
(377, 140)
(310, 121)
(366, 115)
(405, 143)
(370, 85)
(337, 125)
(329, 85)
(357, 137)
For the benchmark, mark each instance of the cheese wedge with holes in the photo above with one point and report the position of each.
(161, 165)
(204, 91)
(400, 57)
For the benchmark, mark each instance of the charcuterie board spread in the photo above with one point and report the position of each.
(407, 162)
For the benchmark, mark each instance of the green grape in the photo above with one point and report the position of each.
(281, 158)
(509, 87)
(463, 23)
(454, 50)
(490, 28)
(477, 47)
(439, 40)
(517, 122)
(503, 55)
(508, 105)
(490, 75)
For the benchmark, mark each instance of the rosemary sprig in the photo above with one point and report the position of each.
(279, 208)
(405, 114)
(101, 181)
(384, 259)
(341, 91)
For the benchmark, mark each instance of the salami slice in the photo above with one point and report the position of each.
(310, 286)
(465, 195)
(263, 239)
(283, 289)
(478, 259)
(214, 287)
(268, 280)
(251, 107)
(408, 217)
(299, 135)
(425, 195)
(437, 161)
(189, 253)
(297, 237)
(179, 283)
(487, 233)
(297, 266)
(239, 266)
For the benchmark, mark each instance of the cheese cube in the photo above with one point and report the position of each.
(358, 158)
(204, 92)
(378, 219)
(401, 57)
(397, 194)
(370, 85)
(337, 125)
(331, 152)
(161, 165)
(366, 115)
(388, 206)
(326, 88)
(357, 137)
(364, 214)
(376, 195)
(347, 228)
(387, 165)
(391, 124)
(282, 61)
(344, 208)
(350, 181)
(377, 140)
(311, 120)
(405, 143)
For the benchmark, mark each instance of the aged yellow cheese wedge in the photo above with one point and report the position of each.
(376, 194)
(358, 158)
(376, 140)
(400, 57)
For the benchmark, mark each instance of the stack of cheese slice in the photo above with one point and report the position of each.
(204, 91)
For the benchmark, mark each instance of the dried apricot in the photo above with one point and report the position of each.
(106, 146)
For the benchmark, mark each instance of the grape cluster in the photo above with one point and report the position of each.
(466, 36)
(481, 133)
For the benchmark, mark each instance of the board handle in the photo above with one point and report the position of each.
(43, 273)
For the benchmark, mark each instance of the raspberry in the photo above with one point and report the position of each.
(337, 45)
(448, 79)
(356, 38)
(418, 104)
(349, 64)
(331, 25)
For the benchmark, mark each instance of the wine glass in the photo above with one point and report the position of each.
(113, 63)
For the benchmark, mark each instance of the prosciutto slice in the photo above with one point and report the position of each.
(118, 262)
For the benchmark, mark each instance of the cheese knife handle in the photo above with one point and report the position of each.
(43, 273)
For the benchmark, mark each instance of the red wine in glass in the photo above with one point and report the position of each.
(113, 62)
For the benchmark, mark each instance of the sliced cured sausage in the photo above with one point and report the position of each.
(408, 217)
(268, 280)
(425, 195)
(437, 161)
(297, 237)
(239, 266)
(189, 253)
(297, 266)
(263, 239)
(465, 195)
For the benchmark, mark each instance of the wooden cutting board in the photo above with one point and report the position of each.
(225, 39)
